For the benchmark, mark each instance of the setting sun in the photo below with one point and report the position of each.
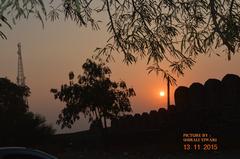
(162, 93)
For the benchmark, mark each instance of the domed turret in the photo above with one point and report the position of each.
(231, 90)
(213, 93)
(197, 98)
(181, 97)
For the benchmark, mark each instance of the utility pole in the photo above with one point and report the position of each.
(20, 73)
(168, 91)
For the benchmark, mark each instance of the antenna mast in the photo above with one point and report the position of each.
(20, 74)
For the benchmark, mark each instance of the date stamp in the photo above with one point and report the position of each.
(199, 142)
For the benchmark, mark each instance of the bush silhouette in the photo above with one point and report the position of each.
(19, 126)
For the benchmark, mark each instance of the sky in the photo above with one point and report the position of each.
(50, 53)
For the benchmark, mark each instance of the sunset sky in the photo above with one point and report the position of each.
(49, 54)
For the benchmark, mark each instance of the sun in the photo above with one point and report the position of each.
(162, 93)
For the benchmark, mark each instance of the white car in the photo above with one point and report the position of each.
(23, 153)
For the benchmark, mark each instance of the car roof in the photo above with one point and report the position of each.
(24, 150)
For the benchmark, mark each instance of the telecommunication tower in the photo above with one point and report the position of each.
(20, 73)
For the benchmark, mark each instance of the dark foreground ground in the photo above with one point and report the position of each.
(142, 155)
(135, 145)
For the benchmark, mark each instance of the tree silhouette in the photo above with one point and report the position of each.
(172, 30)
(15, 10)
(94, 95)
(12, 97)
(18, 124)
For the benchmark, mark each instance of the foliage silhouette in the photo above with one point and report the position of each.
(18, 124)
(94, 95)
(176, 31)
(20, 9)
(11, 97)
